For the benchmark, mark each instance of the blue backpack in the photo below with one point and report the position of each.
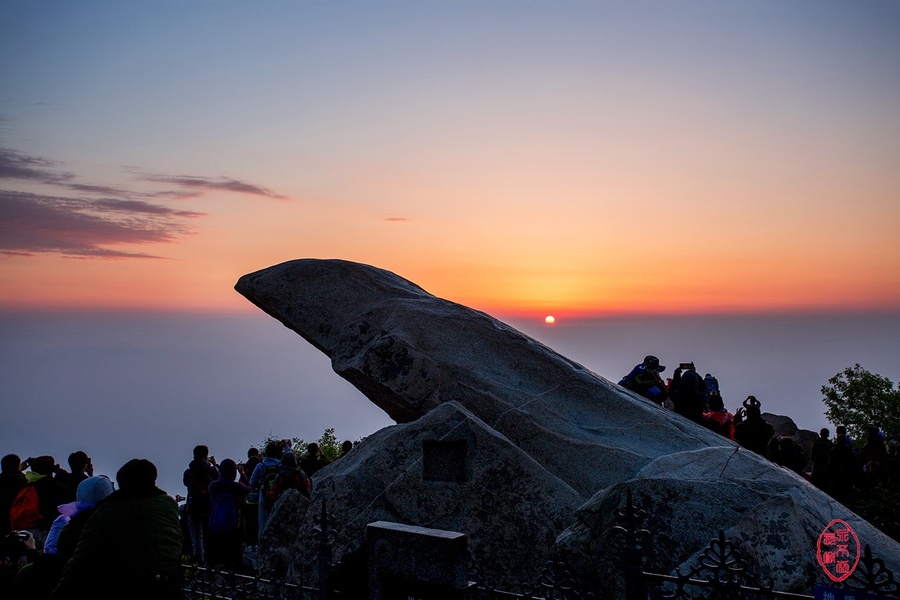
(223, 516)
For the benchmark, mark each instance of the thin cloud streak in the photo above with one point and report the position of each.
(16, 165)
(81, 227)
(226, 184)
(76, 227)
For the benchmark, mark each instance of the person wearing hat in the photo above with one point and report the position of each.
(89, 493)
(645, 380)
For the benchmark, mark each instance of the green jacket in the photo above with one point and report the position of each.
(130, 548)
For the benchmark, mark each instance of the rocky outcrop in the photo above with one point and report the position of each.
(773, 516)
(447, 470)
(275, 551)
(542, 434)
(785, 427)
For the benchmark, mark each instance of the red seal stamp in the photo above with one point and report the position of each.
(838, 550)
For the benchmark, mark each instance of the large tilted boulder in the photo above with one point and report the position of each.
(578, 438)
(409, 352)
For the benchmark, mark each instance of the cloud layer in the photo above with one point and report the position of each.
(83, 219)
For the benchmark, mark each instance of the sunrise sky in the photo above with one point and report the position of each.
(566, 158)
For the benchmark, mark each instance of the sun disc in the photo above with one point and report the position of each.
(549, 319)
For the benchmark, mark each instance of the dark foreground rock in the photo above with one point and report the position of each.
(530, 436)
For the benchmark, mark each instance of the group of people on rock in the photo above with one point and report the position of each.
(73, 534)
(228, 504)
(838, 468)
(845, 471)
(687, 393)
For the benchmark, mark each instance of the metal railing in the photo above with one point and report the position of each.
(721, 572)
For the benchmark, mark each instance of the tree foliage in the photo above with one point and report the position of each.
(328, 443)
(857, 399)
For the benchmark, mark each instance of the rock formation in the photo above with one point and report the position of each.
(785, 427)
(447, 470)
(449, 373)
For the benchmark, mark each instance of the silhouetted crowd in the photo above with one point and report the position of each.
(72, 534)
(839, 468)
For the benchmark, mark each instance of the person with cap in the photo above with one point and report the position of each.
(645, 380)
(131, 546)
(90, 492)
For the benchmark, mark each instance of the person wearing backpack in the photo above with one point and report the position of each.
(227, 497)
(645, 380)
(263, 479)
(35, 506)
(718, 418)
(289, 477)
(200, 473)
(12, 479)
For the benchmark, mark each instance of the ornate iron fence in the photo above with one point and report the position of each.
(554, 582)
(206, 583)
(721, 572)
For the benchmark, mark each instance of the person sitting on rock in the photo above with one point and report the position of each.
(718, 418)
(750, 430)
(645, 380)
